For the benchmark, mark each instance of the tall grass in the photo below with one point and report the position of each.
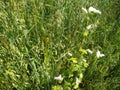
(43, 39)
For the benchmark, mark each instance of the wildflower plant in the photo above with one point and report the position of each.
(57, 45)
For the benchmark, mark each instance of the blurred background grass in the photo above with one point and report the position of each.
(35, 36)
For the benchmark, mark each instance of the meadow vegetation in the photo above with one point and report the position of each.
(59, 44)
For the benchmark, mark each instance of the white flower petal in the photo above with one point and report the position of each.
(88, 50)
(91, 9)
(84, 9)
(84, 60)
(77, 81)
(70, 54)
(102, 55)
(98, 54)
(59, 78)
(89, 26)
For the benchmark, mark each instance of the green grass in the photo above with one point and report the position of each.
(42, 39)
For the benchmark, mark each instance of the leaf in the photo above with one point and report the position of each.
(58, 87)
(74, 60)
(85, 33)
(4, 44)
(83, 51)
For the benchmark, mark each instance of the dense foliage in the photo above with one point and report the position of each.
(59, 44)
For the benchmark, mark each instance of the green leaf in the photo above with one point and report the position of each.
(74, 60)
(83, 51)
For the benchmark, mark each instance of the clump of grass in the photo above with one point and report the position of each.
(58, 45)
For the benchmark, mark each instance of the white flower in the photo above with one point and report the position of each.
(60, 78)
(91, 9)
(98, 54)
(70, 54)
(84, 60)
(89, 26)
(84, 9)
(88, 50)
(77, 81)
